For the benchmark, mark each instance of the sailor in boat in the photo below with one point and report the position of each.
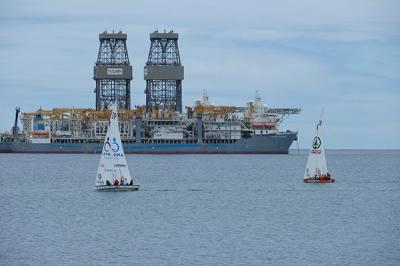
(322, 177)
(120, 182)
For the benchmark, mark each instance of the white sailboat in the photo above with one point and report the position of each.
(113, 172)
(316, 169)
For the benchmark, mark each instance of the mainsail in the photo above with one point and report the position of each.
(316, 163)
(113, 169)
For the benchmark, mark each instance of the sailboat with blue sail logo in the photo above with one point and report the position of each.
(113, 172)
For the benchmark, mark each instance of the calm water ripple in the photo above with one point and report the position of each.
(201, 210)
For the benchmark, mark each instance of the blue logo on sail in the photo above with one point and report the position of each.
(113, 146)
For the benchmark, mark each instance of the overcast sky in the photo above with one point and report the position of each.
(343, 56)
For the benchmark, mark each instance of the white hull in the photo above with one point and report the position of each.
(118, 188)
(331, 180)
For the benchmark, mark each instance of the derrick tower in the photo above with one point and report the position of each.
(163, 73)
(112, 71)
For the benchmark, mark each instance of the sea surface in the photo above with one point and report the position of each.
(202, 210)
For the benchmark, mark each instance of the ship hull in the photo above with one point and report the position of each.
(278, 143)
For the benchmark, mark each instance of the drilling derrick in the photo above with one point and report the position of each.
(113, 72)
(163, 73)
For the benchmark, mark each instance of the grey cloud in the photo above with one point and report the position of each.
(341, 54)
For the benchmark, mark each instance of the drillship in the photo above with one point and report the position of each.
(160, 126)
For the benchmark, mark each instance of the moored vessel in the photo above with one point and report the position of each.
(162, 125)
(203, 129)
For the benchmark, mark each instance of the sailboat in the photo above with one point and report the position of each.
(113, 172)
(316, 169)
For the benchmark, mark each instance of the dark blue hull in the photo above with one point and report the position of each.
(267, 144)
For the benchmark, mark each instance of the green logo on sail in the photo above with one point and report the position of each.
(316, 143)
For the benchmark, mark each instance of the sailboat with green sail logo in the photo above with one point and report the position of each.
(316, 168)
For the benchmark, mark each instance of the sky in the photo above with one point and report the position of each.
(342, 56)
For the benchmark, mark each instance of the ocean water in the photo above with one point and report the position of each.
(201, 210)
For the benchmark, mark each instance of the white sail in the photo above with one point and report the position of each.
(112, 167)
(316, 163)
